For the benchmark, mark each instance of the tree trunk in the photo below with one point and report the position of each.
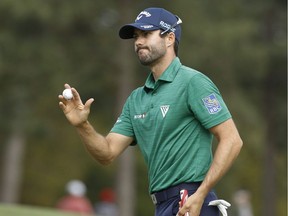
(270, 98)
(269, 179)
(12, 167)
(126, 164)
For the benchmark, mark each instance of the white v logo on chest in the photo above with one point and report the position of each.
(164, 109)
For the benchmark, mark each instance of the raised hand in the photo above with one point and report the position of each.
(75, 111)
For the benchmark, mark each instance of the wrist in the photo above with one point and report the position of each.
(202, 191)
(83, 125)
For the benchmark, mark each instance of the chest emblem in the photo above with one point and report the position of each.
(164, 110)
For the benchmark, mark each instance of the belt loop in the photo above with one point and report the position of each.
(154, 200)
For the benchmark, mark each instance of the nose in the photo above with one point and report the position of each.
(139, 41)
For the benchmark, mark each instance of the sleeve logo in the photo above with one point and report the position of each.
(212, 104)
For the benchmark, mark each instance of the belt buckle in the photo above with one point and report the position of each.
(154, 199)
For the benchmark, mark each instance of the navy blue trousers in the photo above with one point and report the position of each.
(170, 207)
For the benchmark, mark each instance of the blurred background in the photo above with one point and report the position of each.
(241, 45)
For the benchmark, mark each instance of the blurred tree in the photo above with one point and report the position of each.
(272, 101)
(126, 168)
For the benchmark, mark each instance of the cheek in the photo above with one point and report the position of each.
(135, 47)
(161, 45)
(157, 42)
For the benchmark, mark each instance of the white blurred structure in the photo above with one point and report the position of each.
(242, 200)
(76, 188)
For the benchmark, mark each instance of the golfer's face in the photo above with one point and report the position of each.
(149, 46)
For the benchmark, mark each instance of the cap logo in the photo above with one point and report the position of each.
(167, 26)
(143, 13)
(147, 26)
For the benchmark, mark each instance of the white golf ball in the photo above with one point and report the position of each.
(67, 94)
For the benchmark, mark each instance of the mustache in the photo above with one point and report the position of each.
(140, 47)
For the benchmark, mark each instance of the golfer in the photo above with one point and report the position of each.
(172, 118)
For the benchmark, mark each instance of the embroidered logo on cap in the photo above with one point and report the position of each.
(143, 13)
(166, 26)
(212, 104)
(147, 26)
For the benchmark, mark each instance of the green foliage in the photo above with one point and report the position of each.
(241, 45)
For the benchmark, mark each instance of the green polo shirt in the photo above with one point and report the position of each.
(169, 120)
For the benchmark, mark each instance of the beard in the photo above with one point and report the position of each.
(150, 56)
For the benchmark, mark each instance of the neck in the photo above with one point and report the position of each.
(159, 67)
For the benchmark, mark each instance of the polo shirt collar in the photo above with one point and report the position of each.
(167, 76)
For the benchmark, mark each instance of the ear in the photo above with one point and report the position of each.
(170, 39)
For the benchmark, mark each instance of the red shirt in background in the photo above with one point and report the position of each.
(75, 204)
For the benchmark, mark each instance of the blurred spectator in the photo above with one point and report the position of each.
(243, 203)
(107, 205)
(76, 200)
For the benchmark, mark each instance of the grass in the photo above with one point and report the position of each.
(24, 210)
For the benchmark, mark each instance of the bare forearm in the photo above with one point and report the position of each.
(224, 157)
(103, 149)
(96, 144)
(229, 146)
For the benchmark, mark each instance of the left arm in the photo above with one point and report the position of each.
(229, 146)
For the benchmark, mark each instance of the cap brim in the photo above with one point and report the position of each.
(127, 31)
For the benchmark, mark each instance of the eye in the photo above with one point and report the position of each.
(147, 33)
(142, 34)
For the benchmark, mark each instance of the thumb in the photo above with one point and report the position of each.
(88, 103)
(183, 212)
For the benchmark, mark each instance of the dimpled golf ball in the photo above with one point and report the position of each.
(67, 94)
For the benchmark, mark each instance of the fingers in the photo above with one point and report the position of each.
(76, 95)
(66, 85)
(74, 91)
(76, 100)
(61, 102)
(184, 211)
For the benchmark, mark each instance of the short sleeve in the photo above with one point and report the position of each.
(206, 102)
(123, 125)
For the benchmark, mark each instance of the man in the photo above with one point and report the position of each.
(76, 200)
(172, 119)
